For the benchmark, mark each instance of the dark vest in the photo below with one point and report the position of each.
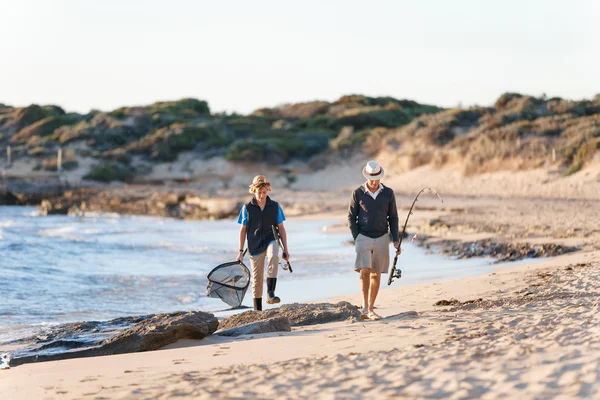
(259, 232)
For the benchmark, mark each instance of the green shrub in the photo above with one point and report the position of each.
(188, 138)
(378, 118)
(323, 123)
(252, 150)
(573, 169)
(43, 127)
(182, 108)
(119, 113)
(53, 111)
(356, 138)
(28, 115)
(37, 151)
(110, 171)
(117, 155)
(586, 152)
(111, 138)
(252, 126)
(310, 144)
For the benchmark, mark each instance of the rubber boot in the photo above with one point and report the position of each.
(271, 298)
(258, 304)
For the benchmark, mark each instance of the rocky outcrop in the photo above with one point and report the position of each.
(161, 330)
(150, 333)
(8, 199)
(277, 324)
(298, 314)
(147, 201)
(502, 251)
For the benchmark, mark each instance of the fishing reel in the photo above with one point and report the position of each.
(394, 274)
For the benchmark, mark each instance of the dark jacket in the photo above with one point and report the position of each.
(373, 217)
(259, 232)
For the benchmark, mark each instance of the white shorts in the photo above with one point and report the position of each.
(373, 253)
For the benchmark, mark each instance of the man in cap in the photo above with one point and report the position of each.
(372, 217)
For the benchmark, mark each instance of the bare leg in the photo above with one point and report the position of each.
(364, 284)
(374, 290)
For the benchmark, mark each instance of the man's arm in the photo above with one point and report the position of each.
(393, 218)
(353, 215)
(242, 241)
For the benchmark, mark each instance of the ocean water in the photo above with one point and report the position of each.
(60, 269)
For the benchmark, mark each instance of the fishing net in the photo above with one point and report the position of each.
(229, 283)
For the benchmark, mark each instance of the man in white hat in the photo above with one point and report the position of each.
(372, 217)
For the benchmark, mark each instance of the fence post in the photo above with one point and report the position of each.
(59, 161)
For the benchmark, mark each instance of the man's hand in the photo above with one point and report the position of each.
(286, 255)
(398, 249)
(240, 257)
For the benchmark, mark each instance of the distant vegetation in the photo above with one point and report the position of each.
(517, 132)
(161, 131)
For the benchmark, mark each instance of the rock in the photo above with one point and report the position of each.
(8, 199)
(75, 211)
(47, 208)
(172, 199)
(298, 314)
(502, 251)
(451, 302)
(455, 302)
(221, 208)
(150, 333)
(277, 324)
(161, 330)
(5, 361)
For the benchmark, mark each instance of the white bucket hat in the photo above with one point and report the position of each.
(372, 171)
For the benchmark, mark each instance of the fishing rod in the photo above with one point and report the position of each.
(397, 273)
(277, 235)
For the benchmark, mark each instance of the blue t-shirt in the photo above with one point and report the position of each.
(243, 217)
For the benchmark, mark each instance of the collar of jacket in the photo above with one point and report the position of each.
(364, 189)
(267, 203)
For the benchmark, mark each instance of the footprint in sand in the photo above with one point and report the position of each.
(90, 378)
(181, 361)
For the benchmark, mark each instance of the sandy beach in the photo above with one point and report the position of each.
(150, 153)
(534, 333)
(529, 330)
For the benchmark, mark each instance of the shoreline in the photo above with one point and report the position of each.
(183, 365)
(304, 290)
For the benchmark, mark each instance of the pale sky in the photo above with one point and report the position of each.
(243, 55)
